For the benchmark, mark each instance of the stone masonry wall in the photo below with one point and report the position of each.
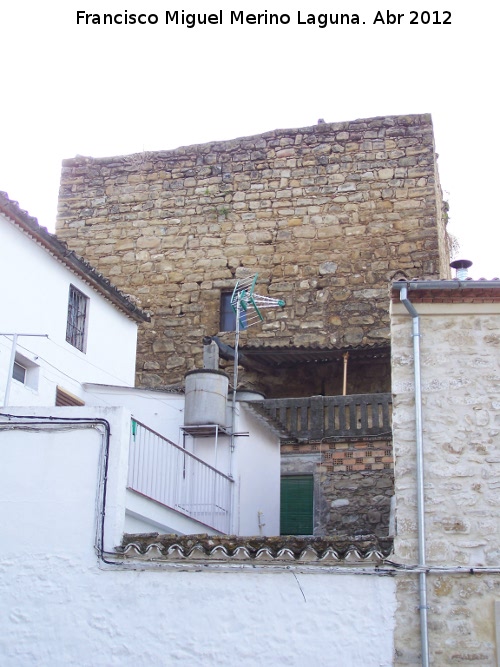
(353, 484)
(460, 351)
(325, 214)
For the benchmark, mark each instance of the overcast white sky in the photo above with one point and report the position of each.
(112, 90)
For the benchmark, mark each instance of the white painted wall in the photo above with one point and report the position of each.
(258, 472)
(161, 411)
(145, 516)
(35, 289)
(60, 608)
(255, 465)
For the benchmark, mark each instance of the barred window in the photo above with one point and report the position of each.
(77, 318)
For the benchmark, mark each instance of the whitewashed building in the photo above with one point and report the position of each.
(62, 321)
(68, 338)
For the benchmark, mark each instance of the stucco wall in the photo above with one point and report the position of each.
(62, 611)
(258, 472)
(61, 607)
(461, 420)
(325, 214)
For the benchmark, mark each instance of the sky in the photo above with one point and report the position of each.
(102, 90)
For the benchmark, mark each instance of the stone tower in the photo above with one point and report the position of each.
(326, 215)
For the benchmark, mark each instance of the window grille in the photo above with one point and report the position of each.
(77, 318)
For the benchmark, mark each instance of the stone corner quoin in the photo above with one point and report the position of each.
(326, 215)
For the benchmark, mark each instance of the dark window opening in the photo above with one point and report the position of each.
(77, 319)
(228, 315)
(19, 372)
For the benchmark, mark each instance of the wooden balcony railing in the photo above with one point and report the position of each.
(318, 417)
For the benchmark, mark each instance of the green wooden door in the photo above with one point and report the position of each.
(296, 515)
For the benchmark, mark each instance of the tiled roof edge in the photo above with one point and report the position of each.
(60, 250)
(450, 284)
(257, 550)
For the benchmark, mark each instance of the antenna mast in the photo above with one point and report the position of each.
(247, 306)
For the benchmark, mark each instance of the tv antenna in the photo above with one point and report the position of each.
(247, 305)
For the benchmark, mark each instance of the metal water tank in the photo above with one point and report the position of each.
(206, 397)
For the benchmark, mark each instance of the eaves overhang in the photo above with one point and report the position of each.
(280, 357)
(448, 291)
(58, 249)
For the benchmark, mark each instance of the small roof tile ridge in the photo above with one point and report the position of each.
(31, 226)
(339, 548)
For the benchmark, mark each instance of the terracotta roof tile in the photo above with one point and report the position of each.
(264, 550)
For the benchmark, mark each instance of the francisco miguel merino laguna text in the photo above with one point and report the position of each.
(190, 20)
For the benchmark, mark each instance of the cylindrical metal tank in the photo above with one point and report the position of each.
(248, 395)
(206, 397)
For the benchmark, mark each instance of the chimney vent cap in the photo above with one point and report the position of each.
(462, 267)
(461, 264)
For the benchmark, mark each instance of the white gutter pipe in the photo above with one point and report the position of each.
(424, 636)
(11, 370)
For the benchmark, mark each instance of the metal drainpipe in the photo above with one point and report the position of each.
(424, 637)
(234, 526)
(11, 370)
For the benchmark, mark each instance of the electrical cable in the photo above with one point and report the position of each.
(36, 420)
(99, 396)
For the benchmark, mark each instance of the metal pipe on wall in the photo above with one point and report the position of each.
(344, 386)
(10, 370)
(424, 637)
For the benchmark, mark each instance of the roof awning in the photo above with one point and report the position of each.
(280, 357)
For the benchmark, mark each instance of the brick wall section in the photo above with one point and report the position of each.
(325, 214)
(348, 456)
